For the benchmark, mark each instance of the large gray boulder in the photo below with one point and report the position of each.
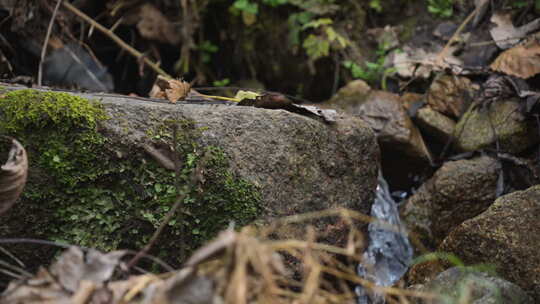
(301, 164)
(104, 183)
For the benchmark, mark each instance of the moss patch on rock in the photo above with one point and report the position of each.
(86, 189)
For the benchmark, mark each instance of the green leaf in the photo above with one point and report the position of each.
(221, 83)
(316, 47)
(246, 6)
(317, 23)
(376, 5)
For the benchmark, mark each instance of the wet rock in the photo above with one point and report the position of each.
(350, 96)
(506, 236)
(385, 114)
(450, 95)
(300, 164)
(435, 124)
(458, 191)
(474, 130)
(445, 30)
(456, 284)
(272, 163)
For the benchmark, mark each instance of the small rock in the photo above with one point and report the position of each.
(445, 30)
(435, 124)
(458, 191)
(474, 130)
(450, 95)
(385, 114)
(506, 236)
(350, 96)
(456, 284)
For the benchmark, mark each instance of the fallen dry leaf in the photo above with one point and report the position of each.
(73, 267)
(522, 61)
(12, 174)
(505, 34)
(170, 89)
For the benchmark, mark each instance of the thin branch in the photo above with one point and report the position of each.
(181, 195)
(46, 41)
(117, 39)
(443, 53)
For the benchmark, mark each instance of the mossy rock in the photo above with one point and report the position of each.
(91, 183)
(502, 121)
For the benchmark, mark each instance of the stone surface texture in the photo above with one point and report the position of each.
(475, 129)
(506, 236)
(458, 191)
(456, 284)
(300, 164)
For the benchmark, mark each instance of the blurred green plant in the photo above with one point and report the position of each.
(373, 71)
(441, 8)
(221, 83)
(206, 49)
(455, 261)
(376, 5)
(318, 45)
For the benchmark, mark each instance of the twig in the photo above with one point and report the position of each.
(178, 182)
(181, 195)
(117, 39)
(442, 54)
(46, 41)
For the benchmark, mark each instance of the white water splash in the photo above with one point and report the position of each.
(389, 253)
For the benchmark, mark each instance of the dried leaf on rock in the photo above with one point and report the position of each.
(521, 61)
(505, 34)
(276, 101)
(328, 115)
(272, 101)
(170, 89)
(153, 25)
(13, 173)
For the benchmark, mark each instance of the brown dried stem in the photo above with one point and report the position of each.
(46, 41)
(120, 42)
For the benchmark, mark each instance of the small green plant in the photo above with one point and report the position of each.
(372, 72)
(441, 8)
(318, 45)
(520, 4)
(221, 83)
(251, 7)
(206, 49)
(454, 260)
(246, 6)
(376, 5)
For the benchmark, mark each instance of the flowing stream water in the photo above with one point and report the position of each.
(389, 253)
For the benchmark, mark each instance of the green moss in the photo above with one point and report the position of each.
(83, 191)
(25, 109)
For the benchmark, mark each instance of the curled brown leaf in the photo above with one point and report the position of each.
(522, 61)
(13, 174)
